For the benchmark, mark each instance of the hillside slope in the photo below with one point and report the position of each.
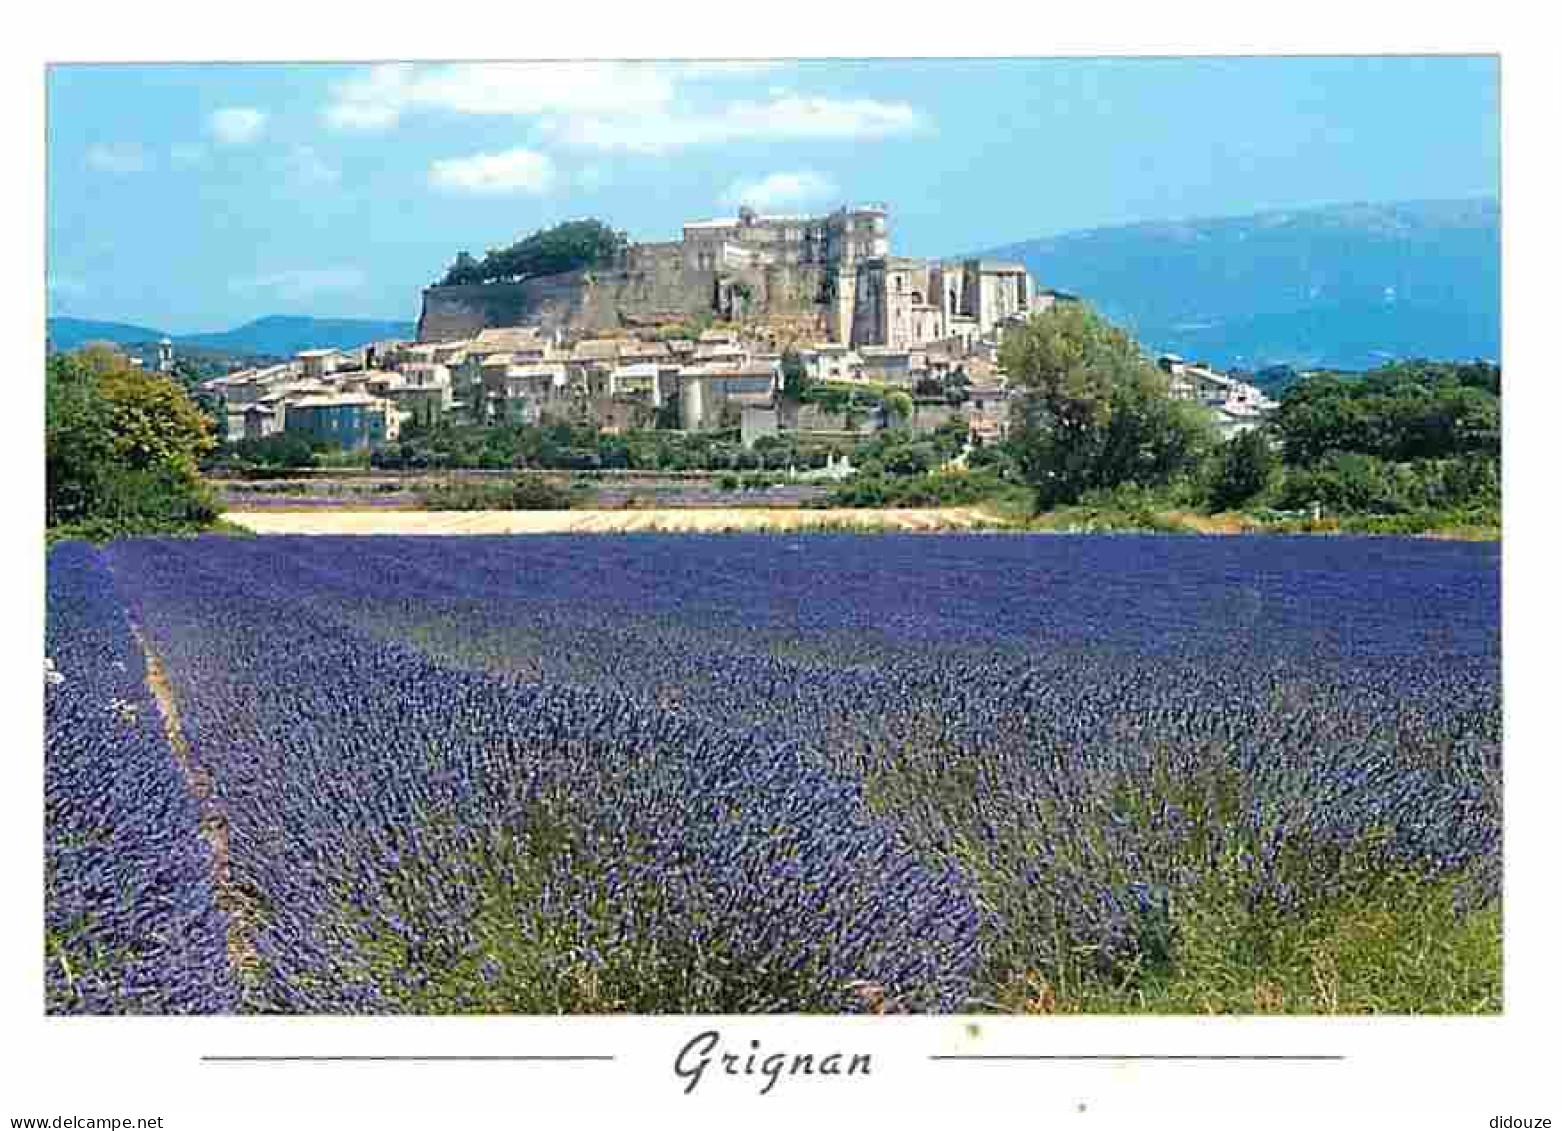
(285, 335)
(1348, 286)
(69, 333)
(276, 336)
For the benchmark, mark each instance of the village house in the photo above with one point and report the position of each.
(503, 339)
(315, 365)
(260, 421)
(886, 365)
(385, 354)
(831, 361)
(637, 379)
(714, 395)
(428, 405)
(986, 410)
(531, 393)
(350, 421)
(638, 351)
(1234, 406)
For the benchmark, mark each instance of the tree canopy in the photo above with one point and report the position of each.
(1405, 411)
(550, 251)
(1245, 468)
(122, 445)
(1093, 411)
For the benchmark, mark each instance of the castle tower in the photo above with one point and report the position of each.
(165, 356)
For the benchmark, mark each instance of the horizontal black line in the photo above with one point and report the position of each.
(400, 1059)
(1135, 1056)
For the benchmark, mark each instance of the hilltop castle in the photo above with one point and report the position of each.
(828, 277)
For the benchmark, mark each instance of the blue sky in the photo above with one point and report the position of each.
(196, 197)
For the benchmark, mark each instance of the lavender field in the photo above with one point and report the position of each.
(774, 773)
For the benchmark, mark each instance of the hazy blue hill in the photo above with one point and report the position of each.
(1346, 286)
(284, 335)
(278, 335)
(69, 333)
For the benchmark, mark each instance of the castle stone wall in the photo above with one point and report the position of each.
(831, 274)
(652, 284)
(453, 313)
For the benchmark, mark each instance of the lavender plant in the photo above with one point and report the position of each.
(791, 773)
(130, 920)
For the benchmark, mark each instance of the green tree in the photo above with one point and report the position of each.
(463, 271)
(154, 424)
(794, 376)
(551, 251)
(1093, 412)
(1404, 411)
(899, 405)
(949, 438)
(122, 446)
(77, 442)
(1244, 469)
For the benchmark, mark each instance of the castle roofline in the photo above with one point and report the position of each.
(997, 267)
(767, 218)
(340, 400)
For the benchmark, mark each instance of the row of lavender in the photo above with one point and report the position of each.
(1095, 729)
(413, 836)
(131, 925)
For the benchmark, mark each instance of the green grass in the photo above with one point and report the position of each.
(103, 531)
(1359, 933)
(1404, 950)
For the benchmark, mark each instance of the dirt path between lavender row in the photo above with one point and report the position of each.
(680, 520)
(242, 955)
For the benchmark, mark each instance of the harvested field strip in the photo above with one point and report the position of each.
(242, 955)
(611, 522)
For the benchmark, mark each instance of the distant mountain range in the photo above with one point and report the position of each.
(278, 335)
(1349, 286)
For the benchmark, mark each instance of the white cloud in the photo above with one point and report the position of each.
(304, 283)
(789, 118)
(309, 170)
(781, 190)
(188, 156)
(377, 98)
(237, 125)
(118, 157)
(514, 170)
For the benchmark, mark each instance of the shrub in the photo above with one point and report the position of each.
(1353, 483)
(932, 489)
(528, 493)
(129, 502)
(1244, 469)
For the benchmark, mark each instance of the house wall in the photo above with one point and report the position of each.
(348, 426)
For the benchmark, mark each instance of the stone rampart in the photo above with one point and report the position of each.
(652, 284)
